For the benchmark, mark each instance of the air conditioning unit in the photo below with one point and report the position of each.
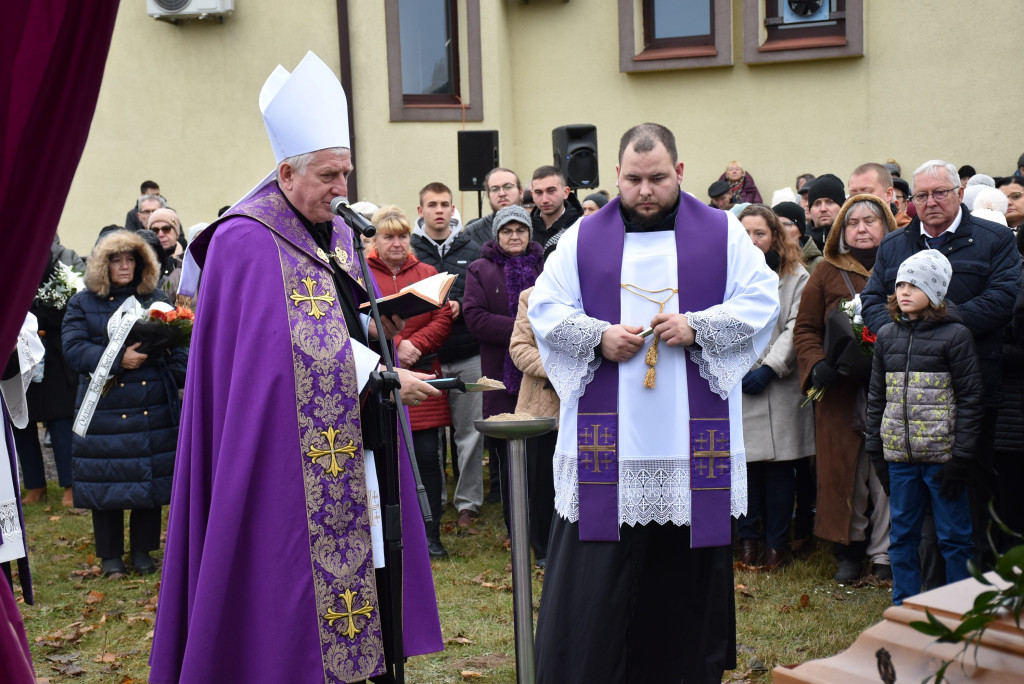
(804, 11)
(180, 10)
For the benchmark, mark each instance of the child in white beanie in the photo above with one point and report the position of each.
(925, 405)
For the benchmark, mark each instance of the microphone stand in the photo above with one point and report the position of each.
(387, 385)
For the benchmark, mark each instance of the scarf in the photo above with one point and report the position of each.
(520, 274)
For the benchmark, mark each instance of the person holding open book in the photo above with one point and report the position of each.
(509, 263)
(395, 266)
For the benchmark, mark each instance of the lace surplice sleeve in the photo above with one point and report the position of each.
(573, 358)
(724, 349)
(730, 336)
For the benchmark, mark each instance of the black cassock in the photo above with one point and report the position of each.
(647, 608)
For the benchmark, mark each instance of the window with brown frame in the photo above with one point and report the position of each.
(790, 30)
(425, 51)
(674, 34)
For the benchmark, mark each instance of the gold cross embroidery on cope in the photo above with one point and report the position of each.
(652, 354)
(349, 450)
(594, 453)
(314, 299)
(349, 614)
(706, 450)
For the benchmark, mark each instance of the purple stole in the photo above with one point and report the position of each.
(328, 440)
(701, 263)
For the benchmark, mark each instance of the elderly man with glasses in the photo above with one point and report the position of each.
(984, 287)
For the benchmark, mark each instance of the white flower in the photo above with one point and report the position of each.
(162, 307)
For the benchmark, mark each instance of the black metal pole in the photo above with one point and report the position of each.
(391, 404)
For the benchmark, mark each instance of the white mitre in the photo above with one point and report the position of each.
(304, 111)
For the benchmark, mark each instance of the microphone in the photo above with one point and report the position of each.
(355, 220)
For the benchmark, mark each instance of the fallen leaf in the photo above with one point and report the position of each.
(128, 680)
(471, 674)
(94, 597)
(91, 559)
(457, 639)
(489, 585)
(756, 665)
(70, 670)
(54, 518)
(785, 608)
(105, 658)
(805, 601)
(838, 596)
(64, 657)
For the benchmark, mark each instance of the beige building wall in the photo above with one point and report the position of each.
(178, 103)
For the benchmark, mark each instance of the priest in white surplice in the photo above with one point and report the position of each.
(630, 594)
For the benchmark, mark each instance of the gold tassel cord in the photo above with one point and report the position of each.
(651, 359)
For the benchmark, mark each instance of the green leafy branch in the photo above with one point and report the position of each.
(989, 605)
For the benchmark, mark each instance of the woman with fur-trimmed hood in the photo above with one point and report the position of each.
(845, 478)
(126, 459)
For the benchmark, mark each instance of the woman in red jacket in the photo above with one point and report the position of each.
(394, 266)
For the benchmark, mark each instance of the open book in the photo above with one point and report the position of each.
(415, 299)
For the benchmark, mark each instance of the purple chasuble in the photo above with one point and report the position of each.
(702, 264)
(268, 574)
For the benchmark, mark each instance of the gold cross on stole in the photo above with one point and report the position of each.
(704, 457)
(313, 299)
(349, 614)
(348, 450)
(598, 452)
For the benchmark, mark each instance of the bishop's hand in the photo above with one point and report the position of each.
(621, 342)
(414, 390)
(392, 326)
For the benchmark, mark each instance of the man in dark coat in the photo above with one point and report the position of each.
(985, 284)
(556, 207)
(435, 243)
(503, 190)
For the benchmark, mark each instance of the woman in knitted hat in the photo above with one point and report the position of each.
(845, 481)
(167, 226)
(925, 408)
(508, 264)
(593, 202)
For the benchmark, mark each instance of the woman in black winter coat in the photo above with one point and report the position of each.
(126, 459)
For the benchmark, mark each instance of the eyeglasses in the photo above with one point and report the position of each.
(163, 229)
(939, 195)
(508, 232)
(899, 196)
(495, 189)
(1014, 196)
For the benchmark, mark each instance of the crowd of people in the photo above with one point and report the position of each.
(869, 347)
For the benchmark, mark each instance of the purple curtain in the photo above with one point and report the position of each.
(52, 54)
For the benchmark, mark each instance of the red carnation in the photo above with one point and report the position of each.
(867, 335)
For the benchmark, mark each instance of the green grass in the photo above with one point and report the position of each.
(86, 628)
